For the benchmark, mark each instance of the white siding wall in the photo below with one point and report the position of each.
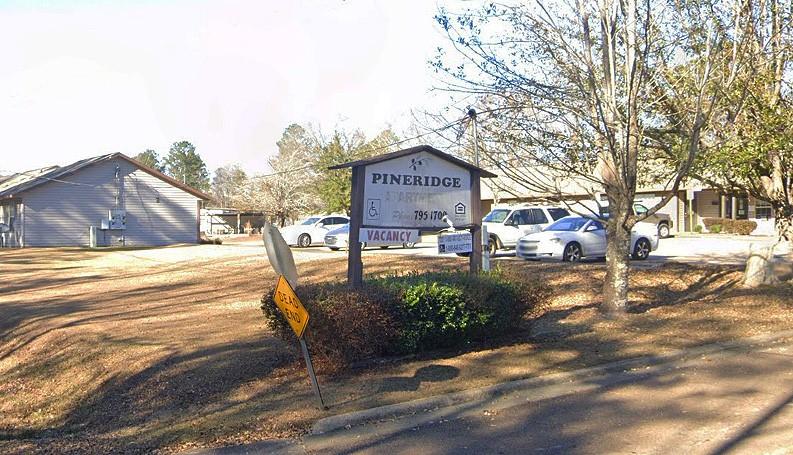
(59, 214)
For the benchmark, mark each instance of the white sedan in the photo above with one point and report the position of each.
(312, 230)
(575, 237)
(340, 238)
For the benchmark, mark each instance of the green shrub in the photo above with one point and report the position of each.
(715, 228)
(708, 222)
(744, 227)
(408, 313)
(698, 229)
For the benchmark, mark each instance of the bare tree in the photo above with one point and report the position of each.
(573, 91)
(228, 180)
(286, 191)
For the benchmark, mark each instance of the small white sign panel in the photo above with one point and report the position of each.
(459, 242)
(416, 191)
(375, 236)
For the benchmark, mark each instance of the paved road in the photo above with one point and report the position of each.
(737, 401)
(700, 249)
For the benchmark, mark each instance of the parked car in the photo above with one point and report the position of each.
(662, 221)
(505, 225)
(312, 230)
(575, 237)
(340, 238)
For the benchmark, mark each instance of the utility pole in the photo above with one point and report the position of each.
(485, 240)
(472, 116)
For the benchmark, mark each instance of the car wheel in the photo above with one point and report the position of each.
(463, 255)
(572, 252)
(304, 241)
(641, 250)
(492, 246)
(663, 231)
(383, 247)
(409, 245)
(333, 248)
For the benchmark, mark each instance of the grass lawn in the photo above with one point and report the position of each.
(166, 349)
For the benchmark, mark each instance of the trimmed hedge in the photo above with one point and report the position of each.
(405, 314)
(730, 226)
(744, 227)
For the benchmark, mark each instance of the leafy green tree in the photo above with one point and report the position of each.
(150, 158)
(226, 183)
(334, 186)
(186, 166)
(750, 150)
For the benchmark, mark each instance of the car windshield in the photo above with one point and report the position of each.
(496, 216)
(308, 221)
(568, 224)
(557, 214)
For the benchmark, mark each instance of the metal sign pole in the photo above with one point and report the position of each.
(485, 250)
(310, 368)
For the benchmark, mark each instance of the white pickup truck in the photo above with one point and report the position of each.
(505, 225)
(662, 221)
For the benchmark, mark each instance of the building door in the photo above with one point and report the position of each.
(687, 206)
(10, 224)
(741, 208)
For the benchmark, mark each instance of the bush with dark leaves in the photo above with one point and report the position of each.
(403, 314)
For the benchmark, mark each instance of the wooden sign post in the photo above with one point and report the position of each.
(413, 189)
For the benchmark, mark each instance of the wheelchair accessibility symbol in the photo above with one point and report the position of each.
(373, 209)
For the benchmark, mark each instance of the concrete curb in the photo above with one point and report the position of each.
(542, 387)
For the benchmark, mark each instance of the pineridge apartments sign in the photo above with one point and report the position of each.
(416, 191)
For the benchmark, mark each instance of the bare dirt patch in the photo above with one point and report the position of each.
(164, 349)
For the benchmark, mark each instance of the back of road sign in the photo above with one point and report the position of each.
(279, 253)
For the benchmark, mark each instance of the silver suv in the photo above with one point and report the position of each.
(505, 225)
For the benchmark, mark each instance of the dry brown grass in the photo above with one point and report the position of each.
(166, 349)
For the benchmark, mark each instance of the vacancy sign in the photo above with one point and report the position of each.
(293, 310)
(377, 236)
(416, 191)
(458, 242)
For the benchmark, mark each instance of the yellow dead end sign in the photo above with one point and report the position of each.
(293, 310)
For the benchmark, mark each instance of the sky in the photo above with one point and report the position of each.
(84, 78)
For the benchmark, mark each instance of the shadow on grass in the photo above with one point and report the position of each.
(201, 394)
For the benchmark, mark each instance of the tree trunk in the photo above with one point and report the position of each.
(615, 285)
(783, 221)
(760, 264)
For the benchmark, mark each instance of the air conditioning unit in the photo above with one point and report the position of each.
(117, 219)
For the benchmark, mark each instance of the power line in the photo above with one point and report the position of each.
(382, 147)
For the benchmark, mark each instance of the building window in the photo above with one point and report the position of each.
(763, 210)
